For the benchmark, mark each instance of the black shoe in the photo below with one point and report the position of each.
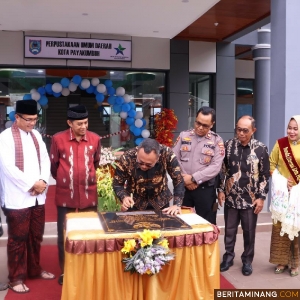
(61, 279)
(225, 266)
(247, 269)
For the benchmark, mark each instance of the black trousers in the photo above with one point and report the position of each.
(248, 220)
(203, 199)
(61, 216)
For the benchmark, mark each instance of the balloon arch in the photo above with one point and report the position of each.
(120, 101)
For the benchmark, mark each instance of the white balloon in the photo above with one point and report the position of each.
(145, 133)
(95, 81)
(65, 92)
(32, 91)
(139, 115)
(57, 87)
(138, 123)
(120, 91)
(36, 96)
(85, 83)
(8, 124)
(72, 86)
(101, 88)
(127, 98)
(123, 114)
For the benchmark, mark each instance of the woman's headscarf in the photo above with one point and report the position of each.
(297, 119)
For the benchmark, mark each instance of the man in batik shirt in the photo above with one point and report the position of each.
(244, 187)
(141, 181)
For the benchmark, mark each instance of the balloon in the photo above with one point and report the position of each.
(139, 115)
(125, 107)
(101, 88)
(43, 101)
(132, 105)
(100, 97)
(77, 79)
(108, 83)
(65, 82)
(65, 92)
(90, 90)
(82, 88)
(138, 141)
(123, 114)
(27, 97)
(48, 88)
(138, 123)
(137, 131)
(56, 95)
(117, 108)
(131, 113)
(95, 81)
(33, 91)
(129, 121)
(36, 96)
(57, 87)
(8, 124)
(85, 83)
(73, 86)
(12, 116)
(132, 127)
(127, 98)
(111, 91)
(145, 133)
(119, 100)
(120, 91)
(144, 122)
(111, 100)
(41, 90)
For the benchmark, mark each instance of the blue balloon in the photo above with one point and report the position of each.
(131, 113)
(48, 88)
(111, 91)
(132, 105)
(100, 97)
(41, 90)
(77, 79)
(43, 100)
(56, 94)
(65, 82)
(111, 100)
(81, 87)
(90, 89)
(132, 127)
(27, 97)
(12, 115)
(117, 108)
(108, 83)
(95, 91)
(129, 121)
(137, 131)
(138, 141)
(119, 100)
(125, 107)
(144, 122)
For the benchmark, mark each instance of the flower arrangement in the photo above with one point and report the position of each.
(148, 255)
(108, 156)
(164, 123)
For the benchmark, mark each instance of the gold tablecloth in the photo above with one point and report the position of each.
(98, 273)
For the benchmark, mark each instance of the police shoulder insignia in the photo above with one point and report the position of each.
(208, 136)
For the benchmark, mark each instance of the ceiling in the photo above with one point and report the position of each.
(154, 18)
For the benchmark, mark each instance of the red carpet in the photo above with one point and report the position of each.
(50, 208)
(225, 284)
(42, 289)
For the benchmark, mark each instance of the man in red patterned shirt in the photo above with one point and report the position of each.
(75, 156)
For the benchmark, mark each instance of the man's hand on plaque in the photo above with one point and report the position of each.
(127, 203)
(172, 210)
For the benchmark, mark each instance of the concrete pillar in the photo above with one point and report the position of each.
(261, 56)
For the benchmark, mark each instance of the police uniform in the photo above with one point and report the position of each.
(202, 158)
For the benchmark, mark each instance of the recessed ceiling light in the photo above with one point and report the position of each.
(112, 72)
(155, 31)
(40, 71)
(185, 1)
(85, 14)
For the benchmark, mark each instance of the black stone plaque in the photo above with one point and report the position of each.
(113, 222)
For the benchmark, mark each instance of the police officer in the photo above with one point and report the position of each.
(200, 152)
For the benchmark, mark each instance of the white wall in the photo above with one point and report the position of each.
(244, 69)
(202, 57)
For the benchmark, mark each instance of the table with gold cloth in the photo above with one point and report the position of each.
(93, 267)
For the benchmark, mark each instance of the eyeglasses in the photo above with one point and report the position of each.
(28, 120)
(141, 163)
(204, 126)
(244, 130)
